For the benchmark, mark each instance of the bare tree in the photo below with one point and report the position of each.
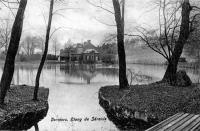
(69, 43)
(170, 74)
(119, 18)
(45, 51)
(119, 8)
(47, 37)
(173, 32)
(40, 43)
(5, 31)
(12, 51)
(30, 43)
(55, 46)
(11, 5)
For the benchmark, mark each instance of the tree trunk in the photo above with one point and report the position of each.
(119, 18)
(170, 74)
(12, 51)
(45, 52)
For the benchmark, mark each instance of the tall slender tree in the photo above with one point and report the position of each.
(119, 18)
(119, 11)
(12, 51)
(37, 81)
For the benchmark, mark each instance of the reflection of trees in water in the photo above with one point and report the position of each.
(25, 73)
(138, 77)
(50, 66)
(113, 72)
(195, 71)
(87, 72)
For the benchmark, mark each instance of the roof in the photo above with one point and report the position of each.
(88, 45)
(90, 50)
(78, 48)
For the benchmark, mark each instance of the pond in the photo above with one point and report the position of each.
(73, 97)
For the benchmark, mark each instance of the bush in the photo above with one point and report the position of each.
(52, 57)
(108, 58)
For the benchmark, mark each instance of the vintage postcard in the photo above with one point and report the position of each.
(100, 65)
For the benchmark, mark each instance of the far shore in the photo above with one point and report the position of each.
(193, 65)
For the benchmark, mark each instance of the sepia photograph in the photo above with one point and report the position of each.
(100, 65)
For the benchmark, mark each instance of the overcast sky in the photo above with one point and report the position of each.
(81, 21)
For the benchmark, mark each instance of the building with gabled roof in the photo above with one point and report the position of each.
(82, 53)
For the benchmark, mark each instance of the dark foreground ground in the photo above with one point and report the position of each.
(19, 111)
(145, 105)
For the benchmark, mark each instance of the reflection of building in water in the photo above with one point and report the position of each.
(87, 75)
(83, 53)
(87, 72)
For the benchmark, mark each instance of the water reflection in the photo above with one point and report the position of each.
(87, 72)
(80, 74)
(74, 90)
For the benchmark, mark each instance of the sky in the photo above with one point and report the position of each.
(79, 21)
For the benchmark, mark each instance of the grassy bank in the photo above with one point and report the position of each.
(158, 100)
(20, 112)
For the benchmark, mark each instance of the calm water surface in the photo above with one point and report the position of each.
(74, 91)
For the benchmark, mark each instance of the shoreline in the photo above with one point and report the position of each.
(125, 118)
(146, 105)
(20, 112)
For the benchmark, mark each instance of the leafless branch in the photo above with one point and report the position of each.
(145, 39)
(7, 3)
(195, 7)
(192, 21)
(63, 9)
(100, 6)
(55, 31)
(104, 22)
